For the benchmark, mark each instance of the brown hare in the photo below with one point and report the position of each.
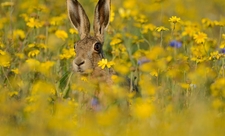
(89, 48)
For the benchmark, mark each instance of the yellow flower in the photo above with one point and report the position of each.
(219, 23)
(128, 4)
(109, 117)
(5, 59)
(83, 78)
(161, 28)
(217, 88)
(33, 53)
(41, 46)
(43, 87)
(141, 19)
(45, 67)
(104, 63)
(214, 55)
(147, 27)
(136, 40)
(217, 103)
(207, 22)
(223, 35)
(2, 45)
(112, 15)
(3, 21)
(200, 37)
(185, 85)
(73, 31)
(15, 70)
(32, 64)
(61, 34)
(41, 37)
(2, 52)
(58, 20)
(34, 23)
(31, 45)
(18, 34)
(174, 19)
(25, 17)
(115, 41)
(189, 30)
(67, 54)
(142, 109)
(20, 55)
(154, 73)
(124, 13)
(14, 93)
(7, 4)
(222, 45)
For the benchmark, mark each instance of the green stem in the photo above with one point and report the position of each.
(66, 89)
(161, 34)
(223, 66)
(219, 41)
(131, 82)
(172, 32)
(146, 40)
(6, 77)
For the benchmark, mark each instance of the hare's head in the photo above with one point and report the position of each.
(89, 48)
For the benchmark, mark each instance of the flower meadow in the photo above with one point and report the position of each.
(169, 63)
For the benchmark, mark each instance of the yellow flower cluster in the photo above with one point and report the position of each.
(5, 59)
(167, 67)
(34, 23)
(67, 54)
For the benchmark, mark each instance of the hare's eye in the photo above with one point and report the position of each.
(97, 47)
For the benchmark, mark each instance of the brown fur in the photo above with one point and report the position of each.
(86, 60)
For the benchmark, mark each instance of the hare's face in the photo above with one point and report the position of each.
(88, 53)
(88, 49)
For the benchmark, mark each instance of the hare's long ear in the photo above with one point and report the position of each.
(78, 18)
(101, 18)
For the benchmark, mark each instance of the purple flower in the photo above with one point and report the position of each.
(143, 60)
(95, 104)
(94, 101)
(222, 50)
(175, 44)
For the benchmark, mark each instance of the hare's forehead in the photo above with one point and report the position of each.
(86, 42)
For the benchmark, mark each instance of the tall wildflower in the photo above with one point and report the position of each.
(174, 19)
(161, 28)
(33, 53)
(5, 59)
(61, 34)
(19, 34)
(104, 63)
(142, 109)
(34, 23)
(200, 37)
(208, 23)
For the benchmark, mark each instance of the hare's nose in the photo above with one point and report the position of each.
(79, 63)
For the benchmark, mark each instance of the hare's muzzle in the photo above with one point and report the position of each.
(82, 65)
(79, 63)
